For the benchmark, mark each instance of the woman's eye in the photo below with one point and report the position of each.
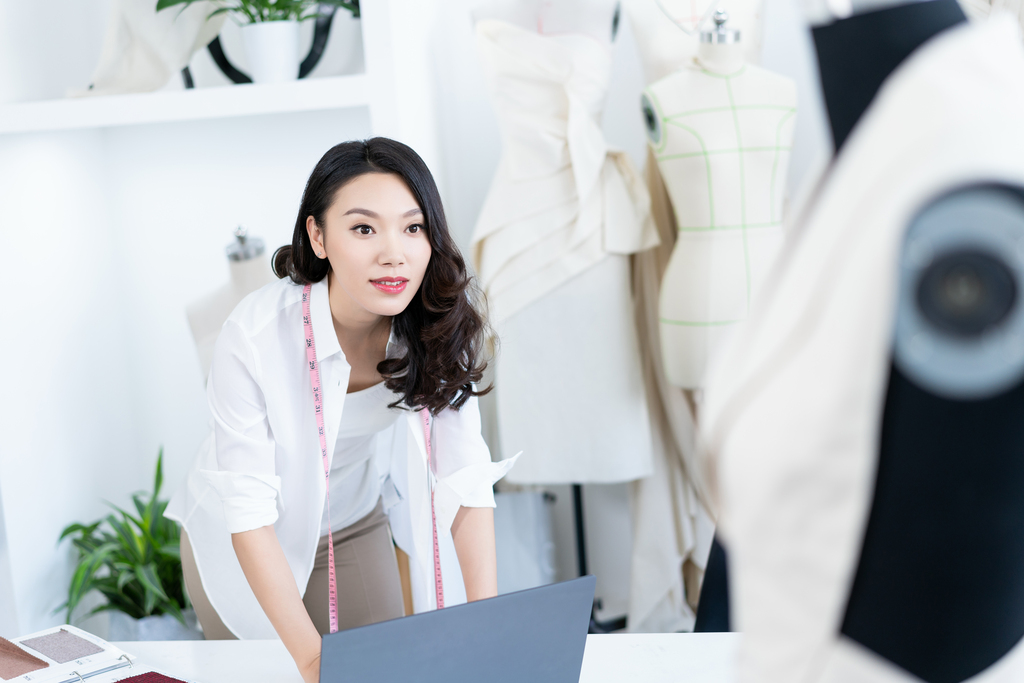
(363, 229)
(415, 228)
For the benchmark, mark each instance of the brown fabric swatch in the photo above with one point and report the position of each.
(151, 677)
(62, 646)
(16, 662)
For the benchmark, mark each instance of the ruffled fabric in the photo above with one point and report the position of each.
(561, 200)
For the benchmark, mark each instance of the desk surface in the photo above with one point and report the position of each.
(615, 658)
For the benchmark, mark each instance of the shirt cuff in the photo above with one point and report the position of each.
(250, 500)
(470, 486)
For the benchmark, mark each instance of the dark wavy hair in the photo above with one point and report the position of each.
(443, 327)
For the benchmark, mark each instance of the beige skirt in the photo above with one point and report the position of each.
(369, 588)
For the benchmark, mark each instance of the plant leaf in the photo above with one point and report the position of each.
(150, 581)
(164, 4)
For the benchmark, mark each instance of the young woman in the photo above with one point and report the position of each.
(375, 308)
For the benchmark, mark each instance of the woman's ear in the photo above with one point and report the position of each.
(316, 237)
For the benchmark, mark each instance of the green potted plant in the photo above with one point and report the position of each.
(134, 561)
(270, 31)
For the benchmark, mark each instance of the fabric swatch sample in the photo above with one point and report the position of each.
(62, 646)
(16, 662)
(151, 677)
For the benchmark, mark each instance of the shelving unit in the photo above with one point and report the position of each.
(338, 92)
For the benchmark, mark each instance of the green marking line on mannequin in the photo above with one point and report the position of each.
(744, 107)
(775, 165)
(684, 155)
(721, 228)
(734, 74)
(691, 323)
(707, 166)
(743, 188)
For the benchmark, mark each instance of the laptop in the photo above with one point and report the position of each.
(532, 636)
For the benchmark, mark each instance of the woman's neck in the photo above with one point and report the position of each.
(359, 331)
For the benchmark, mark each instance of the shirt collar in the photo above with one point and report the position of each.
(323, 324)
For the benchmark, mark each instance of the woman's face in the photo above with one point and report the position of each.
(377, 244)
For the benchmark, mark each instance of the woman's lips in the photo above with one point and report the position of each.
(390, 285)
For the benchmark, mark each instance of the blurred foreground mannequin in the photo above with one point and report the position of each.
(721, 131)
(551, 248)
(864, 432)
(249, 270)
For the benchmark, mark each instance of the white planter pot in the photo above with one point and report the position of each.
(163, 627)
(272, 48)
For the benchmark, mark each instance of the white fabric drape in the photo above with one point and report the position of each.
(794, 408)
(551, 249)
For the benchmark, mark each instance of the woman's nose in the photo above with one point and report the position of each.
(391, 253)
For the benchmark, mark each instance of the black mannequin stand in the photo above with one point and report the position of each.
(596, 626)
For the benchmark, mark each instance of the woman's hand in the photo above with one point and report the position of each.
(311, 670)
(266, 568)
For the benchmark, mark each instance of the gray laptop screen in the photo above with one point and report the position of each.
(535, 636)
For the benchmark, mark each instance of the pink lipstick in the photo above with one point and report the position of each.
(390, 285)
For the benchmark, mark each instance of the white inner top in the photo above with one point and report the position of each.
(360, 464)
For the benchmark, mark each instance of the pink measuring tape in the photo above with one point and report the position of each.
(314, 379)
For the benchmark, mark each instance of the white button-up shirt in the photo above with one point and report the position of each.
(262, 464)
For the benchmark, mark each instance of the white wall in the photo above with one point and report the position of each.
(48, 47)
(67, 413)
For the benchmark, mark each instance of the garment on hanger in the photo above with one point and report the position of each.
(551, 249)
(793, 411)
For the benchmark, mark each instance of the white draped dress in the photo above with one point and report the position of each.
(551, 249)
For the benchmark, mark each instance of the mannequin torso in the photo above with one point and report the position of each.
(721, 131)
(207, 315)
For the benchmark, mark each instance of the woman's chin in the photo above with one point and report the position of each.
(387, 306)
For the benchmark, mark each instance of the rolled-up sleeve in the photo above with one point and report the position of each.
(465, 473)
(245, 478)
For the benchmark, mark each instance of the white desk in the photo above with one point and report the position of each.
(654, 658)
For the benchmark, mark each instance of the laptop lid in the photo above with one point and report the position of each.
(536, 635)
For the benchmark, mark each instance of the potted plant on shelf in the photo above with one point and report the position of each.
(134, 561)
(270, 31)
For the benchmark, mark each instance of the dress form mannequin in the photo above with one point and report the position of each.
(249, 271)
(721, 131)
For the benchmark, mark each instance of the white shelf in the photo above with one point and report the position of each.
(338, 92)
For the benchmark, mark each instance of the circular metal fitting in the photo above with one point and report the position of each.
(720, 34)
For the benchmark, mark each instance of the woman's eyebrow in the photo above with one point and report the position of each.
(373, 214)
(365, 212)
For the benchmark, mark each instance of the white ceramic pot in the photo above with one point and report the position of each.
(272, 48)
(163, 627)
